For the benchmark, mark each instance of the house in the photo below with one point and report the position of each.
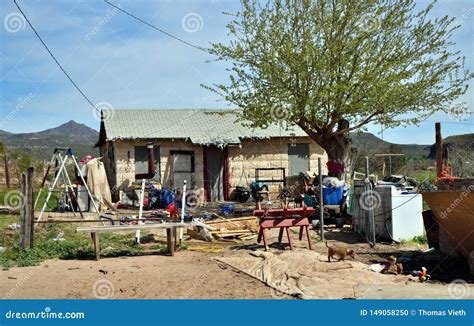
(212, 152)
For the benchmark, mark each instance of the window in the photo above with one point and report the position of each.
(298, 158)
(141, 162)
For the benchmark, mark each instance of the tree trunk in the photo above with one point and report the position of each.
(338, 149)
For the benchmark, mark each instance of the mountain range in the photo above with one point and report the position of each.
(81, 138)
(40, 145)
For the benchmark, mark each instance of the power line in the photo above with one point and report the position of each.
(157, 28)
(452, 122)
(54, 58)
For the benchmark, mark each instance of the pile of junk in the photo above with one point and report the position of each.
(304, 188)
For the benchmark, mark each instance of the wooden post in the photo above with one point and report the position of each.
(439, 149)
(95, 239)
(26, 209)
(7, 173)
(169, 241)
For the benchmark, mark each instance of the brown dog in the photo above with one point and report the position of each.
(341, 252)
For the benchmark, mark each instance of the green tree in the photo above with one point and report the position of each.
(331, 67)
(23, 162)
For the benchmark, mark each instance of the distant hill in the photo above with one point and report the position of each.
(372, 142)
(81, 139)
(465, 141)
(40, 145)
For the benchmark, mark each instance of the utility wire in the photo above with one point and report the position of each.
(158, 29)
(54, 58)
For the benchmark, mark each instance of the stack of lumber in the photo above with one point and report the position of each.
(243, 228)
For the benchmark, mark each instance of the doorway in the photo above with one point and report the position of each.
(182, 168)
(215, 180)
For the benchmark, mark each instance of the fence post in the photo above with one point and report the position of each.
(7, 173)
(27, 209)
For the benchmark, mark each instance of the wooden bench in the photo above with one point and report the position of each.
(284, 218)
(170, 233)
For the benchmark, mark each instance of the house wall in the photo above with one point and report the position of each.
(242, 160)
(267, 153)
(125, 161)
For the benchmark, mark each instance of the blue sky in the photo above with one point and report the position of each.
(120, 61)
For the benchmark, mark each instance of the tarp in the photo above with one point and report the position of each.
(307, 274)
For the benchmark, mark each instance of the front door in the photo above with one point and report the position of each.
(214, 172)
(298, 158)
(182, 169)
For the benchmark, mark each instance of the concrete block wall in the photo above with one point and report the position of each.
(267, 153)
(125, 161)
(243, 160)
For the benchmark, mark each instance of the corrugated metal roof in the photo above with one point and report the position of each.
(201, 126)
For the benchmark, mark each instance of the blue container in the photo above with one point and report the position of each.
(227, 209)
(332, 195)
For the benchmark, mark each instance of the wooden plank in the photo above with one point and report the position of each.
(231, 220)
(117, 228)
(288, 222)
(278, 212)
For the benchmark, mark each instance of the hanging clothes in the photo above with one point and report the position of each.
(98, 184)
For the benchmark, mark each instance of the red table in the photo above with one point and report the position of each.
(284, 218)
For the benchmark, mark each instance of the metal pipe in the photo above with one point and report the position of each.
(371, 194)
(183, 208)
(140, 210)
(321, 203)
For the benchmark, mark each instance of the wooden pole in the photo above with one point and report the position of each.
(26, 209)
(439, 149)
(7, 173)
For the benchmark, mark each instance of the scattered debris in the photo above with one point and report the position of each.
(422, 275)
(242, 228)
(59, 237)
(14, 226)
(103, 271)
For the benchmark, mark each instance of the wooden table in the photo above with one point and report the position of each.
(284, 218)
(170, 233)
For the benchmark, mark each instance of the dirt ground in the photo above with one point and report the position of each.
(193, 274)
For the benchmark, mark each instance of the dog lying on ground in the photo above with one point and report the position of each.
(341, 252)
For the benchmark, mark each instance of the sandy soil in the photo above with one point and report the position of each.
(186, 275)
(189, 274)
